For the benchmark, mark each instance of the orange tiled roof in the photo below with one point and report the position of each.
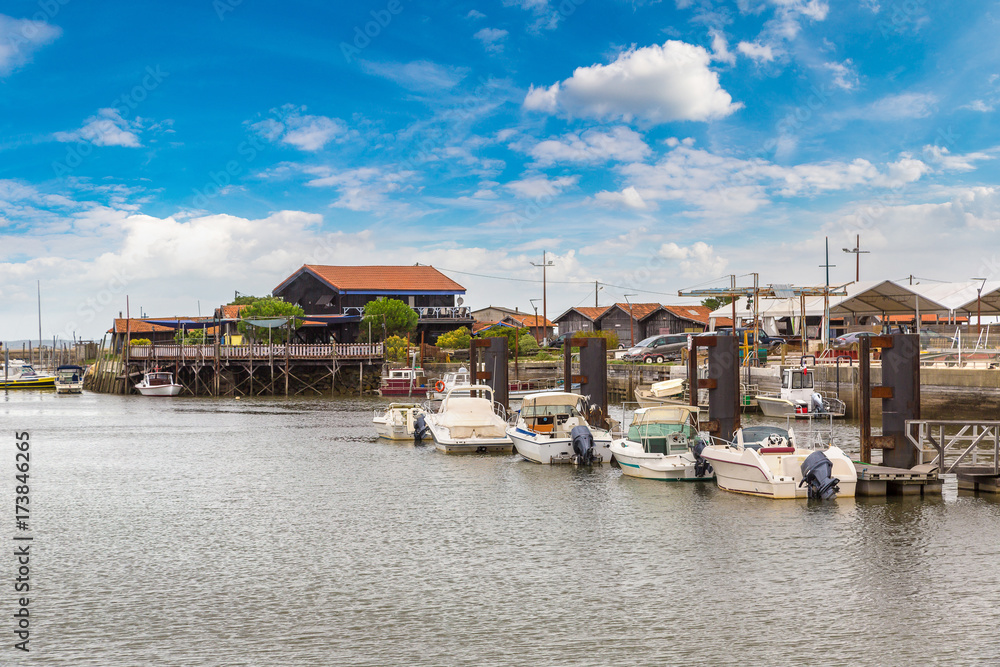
(640, 310)
(697, 314)
(402, 278)
(232, 312)
(531, 320)
(591, 312)
(136, 326)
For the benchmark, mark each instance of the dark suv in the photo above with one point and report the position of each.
(765, 339)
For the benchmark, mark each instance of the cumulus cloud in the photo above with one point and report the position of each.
(627, 198)
(107, 128)
(656, 84)
(534, 187)
(363, 189)
(720, 48)
(902, 105)
(592, 146)
(696, 260)
(290, 125)
(759, 53)
(492, 39)
(844, 76)
(944, 159)
(20, 39)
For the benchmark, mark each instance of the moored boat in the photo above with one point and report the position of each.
(69, 379)
(765, 461)
(552, 427)
(399, 421)
(664, 443)
(19, 375)
(798, 397)
(468, 421)
(403, 382)
(158, 383)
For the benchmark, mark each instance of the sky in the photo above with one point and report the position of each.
(169, 156)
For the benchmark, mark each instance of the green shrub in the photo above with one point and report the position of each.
(190, 337)
(610, 336)
(455, 340)
(140, 341)
(396, 348)
(527, 345)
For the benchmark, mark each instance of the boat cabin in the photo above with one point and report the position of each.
(554, 412)
(69, 373)
(797, 385)
(159, 379)
(664, 430)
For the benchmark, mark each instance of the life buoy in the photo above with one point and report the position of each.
(439, 387)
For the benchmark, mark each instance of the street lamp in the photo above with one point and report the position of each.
(535, 306)
(857, 252)
(631, 320)
(979, 306)
(545, 307)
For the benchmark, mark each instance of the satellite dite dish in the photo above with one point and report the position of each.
(460, 301)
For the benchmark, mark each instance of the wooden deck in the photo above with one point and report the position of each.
(876, 480)
(295, 352)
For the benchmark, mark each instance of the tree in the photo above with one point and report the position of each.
(190, 336)
(246, 300)
(510, 333)
(716, 302)
(396, 348)
(266, 308)
(390, 317)
(609, 336)
(527, 345)
(455, 340)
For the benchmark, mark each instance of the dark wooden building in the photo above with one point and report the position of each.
(676, 319)
(334, 297)
(627, 320)
(580, 319)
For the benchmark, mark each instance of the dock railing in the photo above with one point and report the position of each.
(950, 443)
(296, 351)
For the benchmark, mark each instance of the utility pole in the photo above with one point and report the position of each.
(596, 288)
(39, 322)
(826, 297)
(545, 309)
(631, 320)
(857, 252)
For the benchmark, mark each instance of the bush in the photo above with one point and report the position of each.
(390, 315)
(527, 345)
(269, 308)
(396, 348)
(190, 337)
(140, 341)
(455, 340)
(610, 336)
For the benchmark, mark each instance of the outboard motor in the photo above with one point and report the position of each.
(420, 429)
(583, 445)
(817, 403)
(702, 466)
(816, 472)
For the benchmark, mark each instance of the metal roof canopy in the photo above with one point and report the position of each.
(889, 298)
(990, 298)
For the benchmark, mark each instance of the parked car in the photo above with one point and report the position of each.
(850, 338)
(558, 341)
(657, 348)
(765, 338)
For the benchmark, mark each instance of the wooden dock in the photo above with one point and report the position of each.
(876, 480)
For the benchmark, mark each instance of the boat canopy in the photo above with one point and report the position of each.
(651, 428)
(552, 398)
(552, 403)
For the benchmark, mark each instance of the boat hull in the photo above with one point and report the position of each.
(160, 390)
(669, 468)
(774, 476)
(472, 446)
(36, 383)
(539, 449)
(775, 407)
(72, 388)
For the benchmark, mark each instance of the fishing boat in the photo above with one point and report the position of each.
(158, 383)
(552, 427)
(399, 421)
(468, 420)
(664, 443)
(69, 379)
(403, 382)
(798, 397)
(20, 375)
(765, 461)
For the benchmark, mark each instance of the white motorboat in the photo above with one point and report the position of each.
(69, 379)
(664, 443)
(468, 421)
(399, 421)
(20, 375)
(765, 461)
(450, 380)
(515, 388)
(552, 427)
(157, 383)
(799, 397)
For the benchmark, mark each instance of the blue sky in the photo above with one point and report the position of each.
(176, 155)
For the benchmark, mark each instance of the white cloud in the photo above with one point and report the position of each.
(620, 143)
(903, 105)
(697, 260)
(475, 15)
(534, 187)
(492, 39)
(546, 18)
(844, 77)
(417, 75)
(657, 84)
(289, 125)
(759, 53)
(363, 189)
(948, 162)
(107, 128)
(979, 105)
(20, 39)
(720, 48)
(628, 198)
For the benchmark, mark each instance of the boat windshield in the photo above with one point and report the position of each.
(653, 436)
(756, 434)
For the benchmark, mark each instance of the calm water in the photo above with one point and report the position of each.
(267, 532)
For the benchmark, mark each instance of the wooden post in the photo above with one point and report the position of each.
(693, 373)
(288, 343)
(865, 397)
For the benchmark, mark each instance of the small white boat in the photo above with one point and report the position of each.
(157, 383)
(399, 421)
(552, 427)
(450, 380)
(799, 397)
(664, 443)
(69, 379)
(765, 461)
(468, 421)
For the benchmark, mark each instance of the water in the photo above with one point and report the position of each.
(271, 531)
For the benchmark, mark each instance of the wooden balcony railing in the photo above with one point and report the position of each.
(296, 351)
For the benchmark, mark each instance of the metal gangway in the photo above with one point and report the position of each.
(956, 446)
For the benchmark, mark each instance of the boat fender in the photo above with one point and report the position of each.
(816, 472)
(439, 387)
(583, 445)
